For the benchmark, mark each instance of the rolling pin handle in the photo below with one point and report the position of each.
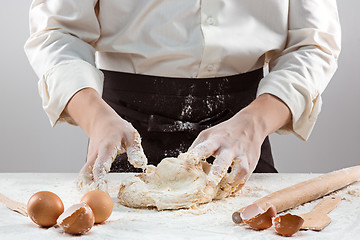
(236, 217)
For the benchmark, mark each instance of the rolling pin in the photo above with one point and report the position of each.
(306, 191)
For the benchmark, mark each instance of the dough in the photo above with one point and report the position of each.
(173, 184)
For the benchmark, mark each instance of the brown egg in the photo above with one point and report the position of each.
(101, 204)
(288, 224)
(258, 218)
(44, 208)
(77, 219)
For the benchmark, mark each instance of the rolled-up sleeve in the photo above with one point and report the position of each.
(300, 73)
(60, 50)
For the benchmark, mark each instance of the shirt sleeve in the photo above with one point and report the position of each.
(299, 74)
(60, 50)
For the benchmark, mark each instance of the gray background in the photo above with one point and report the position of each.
(29, 144)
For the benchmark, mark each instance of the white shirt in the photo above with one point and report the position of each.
(298, 39)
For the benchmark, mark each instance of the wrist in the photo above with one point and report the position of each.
(269, 114)
(88, 109)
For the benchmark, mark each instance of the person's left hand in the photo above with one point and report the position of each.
(236, 143)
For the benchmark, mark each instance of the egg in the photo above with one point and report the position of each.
(101, 204)
(257, 218)
(44, 208)
(288, 224)
(77, 219)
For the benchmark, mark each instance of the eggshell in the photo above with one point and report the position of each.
(101, 204)
(77, 219)
(288, 224)
(44, 208)
(257, 218)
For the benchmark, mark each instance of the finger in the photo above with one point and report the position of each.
(85, 178)
(200, 152)
(119, 149)
(135, 153)
(93, 174)
(219, 168)
(241, 184)
(239, 174)
(196, 142)
(101, 168)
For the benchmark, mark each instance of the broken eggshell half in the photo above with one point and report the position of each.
(288, 224)
(77, 219)
(258, 218)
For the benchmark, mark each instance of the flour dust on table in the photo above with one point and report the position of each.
(173, 184)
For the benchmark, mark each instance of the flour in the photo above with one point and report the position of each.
(187, 107)
(176, 152)
(214, 103)
(355, 193)
(182, 126)
(207, 221)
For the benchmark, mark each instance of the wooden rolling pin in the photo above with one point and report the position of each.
(306, 191)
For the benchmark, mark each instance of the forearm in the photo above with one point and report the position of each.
(87, 108)
(269, 114)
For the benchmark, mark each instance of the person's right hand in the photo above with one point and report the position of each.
(109, 135)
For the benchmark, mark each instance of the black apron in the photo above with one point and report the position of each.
(169, 113)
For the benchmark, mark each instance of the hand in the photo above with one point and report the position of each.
(109, 135)
(112, 136)
(236, 143)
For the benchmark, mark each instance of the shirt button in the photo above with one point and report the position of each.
(210, 67)
(210, 21)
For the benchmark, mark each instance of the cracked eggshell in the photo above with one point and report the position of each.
(288, 224)
(101, 204)
(77, 219)
(44, 208)
(257, 218)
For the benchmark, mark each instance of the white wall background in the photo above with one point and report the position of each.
(29, 144)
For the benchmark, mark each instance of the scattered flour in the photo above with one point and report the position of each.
(208, 221)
